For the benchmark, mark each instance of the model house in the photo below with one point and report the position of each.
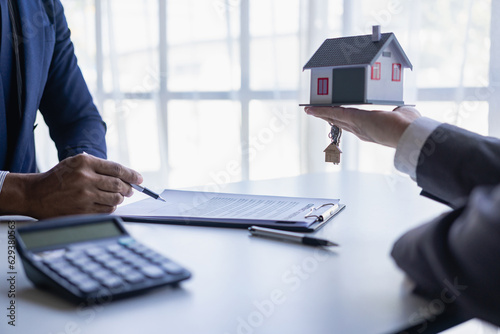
(365, 69)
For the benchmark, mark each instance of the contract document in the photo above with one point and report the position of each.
(233, 210)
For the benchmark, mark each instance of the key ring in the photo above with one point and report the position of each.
(335, 134)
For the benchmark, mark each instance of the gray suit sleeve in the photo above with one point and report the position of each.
(454, 161)
(455, 258)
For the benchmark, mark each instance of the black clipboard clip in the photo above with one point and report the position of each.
(325, 215)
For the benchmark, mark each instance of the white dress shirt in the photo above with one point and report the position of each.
(410, 144)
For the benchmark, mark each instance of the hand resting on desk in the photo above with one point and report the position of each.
(77, 185)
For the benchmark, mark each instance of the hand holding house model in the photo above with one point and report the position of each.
(364, 69)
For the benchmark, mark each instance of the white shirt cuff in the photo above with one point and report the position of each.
(410, 144)
(3, 174)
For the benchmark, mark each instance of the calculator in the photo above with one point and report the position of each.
(92, 259)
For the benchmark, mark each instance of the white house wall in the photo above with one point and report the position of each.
(385, 89)
(316, 73)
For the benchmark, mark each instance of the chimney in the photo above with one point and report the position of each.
(376, 33)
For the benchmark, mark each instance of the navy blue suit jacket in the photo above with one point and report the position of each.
(53, 84)
(455, 259)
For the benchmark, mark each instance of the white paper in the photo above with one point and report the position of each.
(231, 206)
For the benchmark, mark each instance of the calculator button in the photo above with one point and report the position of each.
(136, 261)
(74, 255)
(141, 263)
(112, 282)
(81, 262)
(157, 258)
(124, 253)
(68, 272)
(134, 277)
(152, 271)
(91, 267)
(172, 268)
(94, 251)
(103, 258)
(151, 255)
(114, 248)
(52, 255)
(101, 274)
(88, 286)
(113, 263)
(133, 257)
(138, 248)
(127, 241)
(56, 260)
(61, 265)
(124, 270)
(79, 279)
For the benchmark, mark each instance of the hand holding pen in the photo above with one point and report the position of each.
(138, 187)
(82, 184)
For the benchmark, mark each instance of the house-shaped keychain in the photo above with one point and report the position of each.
(332, 153)
(365, 69)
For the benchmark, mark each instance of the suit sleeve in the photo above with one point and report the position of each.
(453, 161)
(66, 104)
(456, 257)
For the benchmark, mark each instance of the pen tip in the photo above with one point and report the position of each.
(161, 199)
(332, 244)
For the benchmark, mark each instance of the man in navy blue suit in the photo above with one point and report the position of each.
(39, 71)
(455, 258)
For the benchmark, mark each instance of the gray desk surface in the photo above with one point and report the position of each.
(246, 285)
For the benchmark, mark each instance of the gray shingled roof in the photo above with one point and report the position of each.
(353, 50)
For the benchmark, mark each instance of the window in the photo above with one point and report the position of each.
(396, 72)
(322, 86)
(376, 69)
(185, 68)
(386, 54)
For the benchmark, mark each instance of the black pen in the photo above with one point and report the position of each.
(288, 236)
(146, 191)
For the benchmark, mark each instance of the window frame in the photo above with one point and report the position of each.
(323, 84)
(398, 72)
(376, 71)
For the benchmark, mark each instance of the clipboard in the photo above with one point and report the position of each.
(313, 213)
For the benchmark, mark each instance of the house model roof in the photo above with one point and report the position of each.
(353, 50)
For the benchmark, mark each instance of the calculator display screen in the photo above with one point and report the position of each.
(70, 234)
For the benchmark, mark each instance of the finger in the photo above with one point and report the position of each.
(325, 115)
(110, 168)
(108, 198)
(114, 185)
(99, 208)
(330, 112)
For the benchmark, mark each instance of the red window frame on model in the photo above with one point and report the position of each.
(322, 86)
(376, 70)
(396, 72)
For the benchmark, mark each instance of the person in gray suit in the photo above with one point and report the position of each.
(456, 257)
